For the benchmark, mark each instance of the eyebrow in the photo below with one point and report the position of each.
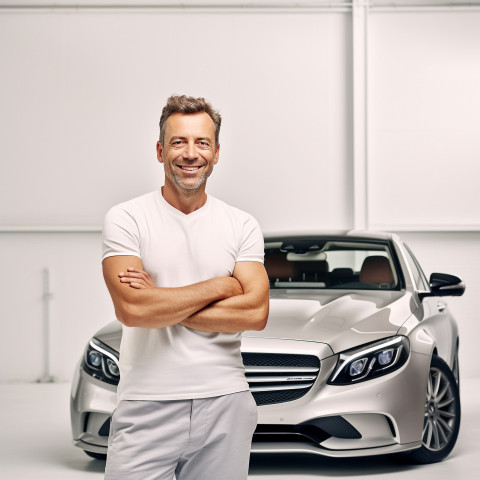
(179, 137)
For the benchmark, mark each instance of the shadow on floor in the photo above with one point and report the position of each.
(288, 465)
(85, 464)
(298, 464)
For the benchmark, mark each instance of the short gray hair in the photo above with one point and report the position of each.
(185, 104)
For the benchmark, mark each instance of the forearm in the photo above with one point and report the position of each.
(223, 304)
(235, 314)
(162, 307)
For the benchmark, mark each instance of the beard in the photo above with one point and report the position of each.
(185, 185)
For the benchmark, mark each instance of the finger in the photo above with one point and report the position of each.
(132, 269)
(140, 272)
(140, 275)
(143, 276)
(135, 275)
(138, 285)
(132, 275)
(128, 273)
(132, 280)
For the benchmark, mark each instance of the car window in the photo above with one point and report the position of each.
(417, 272)
(330, 264)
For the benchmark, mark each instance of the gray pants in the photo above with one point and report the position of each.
(204, 439)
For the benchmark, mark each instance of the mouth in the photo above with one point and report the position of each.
(189, 168)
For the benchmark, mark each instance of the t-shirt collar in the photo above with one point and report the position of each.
(179, 213)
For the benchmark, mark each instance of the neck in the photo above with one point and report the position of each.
(185, 201)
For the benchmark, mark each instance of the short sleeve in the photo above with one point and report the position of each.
(120, 234)
(252, 245)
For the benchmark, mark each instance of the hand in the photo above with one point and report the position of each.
(136, 278)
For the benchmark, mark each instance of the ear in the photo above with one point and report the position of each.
(159, 152)
(217, 153)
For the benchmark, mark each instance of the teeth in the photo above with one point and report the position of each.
(190, 169)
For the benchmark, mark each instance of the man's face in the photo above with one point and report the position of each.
(188, 152)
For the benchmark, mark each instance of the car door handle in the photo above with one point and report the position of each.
(441, 306)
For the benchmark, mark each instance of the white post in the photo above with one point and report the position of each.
(46, 297)
(360, 198)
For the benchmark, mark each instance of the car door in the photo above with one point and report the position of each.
(437, 319)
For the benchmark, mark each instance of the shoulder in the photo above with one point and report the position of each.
(138, 203)
(221, 207)
(244, 227)
(125, 225)
(135, 207)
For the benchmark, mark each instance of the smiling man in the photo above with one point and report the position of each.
(186, 276)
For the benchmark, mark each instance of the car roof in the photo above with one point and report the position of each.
(346, 235)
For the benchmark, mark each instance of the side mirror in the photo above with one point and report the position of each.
(442, 285)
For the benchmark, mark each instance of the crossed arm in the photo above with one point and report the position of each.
(223, 304)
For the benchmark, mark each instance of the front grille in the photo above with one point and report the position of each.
(279, 377)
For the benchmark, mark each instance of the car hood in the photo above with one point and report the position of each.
(341, 319)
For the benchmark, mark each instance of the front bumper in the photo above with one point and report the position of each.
(386, 412)
(91, 405)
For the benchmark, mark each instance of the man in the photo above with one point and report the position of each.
(184, 407)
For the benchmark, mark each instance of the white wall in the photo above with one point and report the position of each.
(424, 114)
(79, 306)
(82, 91)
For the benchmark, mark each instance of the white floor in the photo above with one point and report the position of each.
(35, 444)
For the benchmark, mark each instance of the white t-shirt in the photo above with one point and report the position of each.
(177, 362)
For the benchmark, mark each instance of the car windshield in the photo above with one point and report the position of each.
(339, 264)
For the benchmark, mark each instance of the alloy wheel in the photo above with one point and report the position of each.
(438, 427)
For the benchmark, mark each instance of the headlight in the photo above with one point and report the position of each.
(370, 361)
(101, 362)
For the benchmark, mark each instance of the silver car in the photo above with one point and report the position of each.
(359, 356)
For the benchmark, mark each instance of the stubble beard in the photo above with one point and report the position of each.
(187, 189)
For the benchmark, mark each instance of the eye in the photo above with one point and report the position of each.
(177, 143)
(203, 143)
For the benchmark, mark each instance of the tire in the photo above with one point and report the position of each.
(442, 415)
(98, 456)
(456, 368)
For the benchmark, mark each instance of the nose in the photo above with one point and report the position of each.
(190, 151)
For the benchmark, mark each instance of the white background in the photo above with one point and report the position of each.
(80, 98)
